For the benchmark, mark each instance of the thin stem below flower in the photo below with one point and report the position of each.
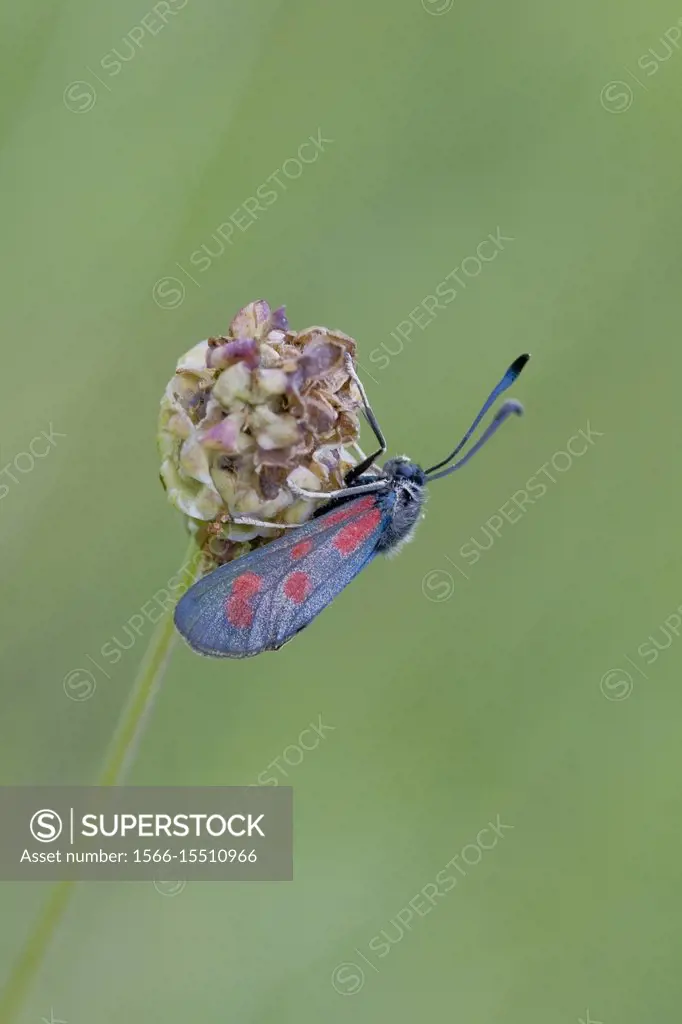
(121, 755)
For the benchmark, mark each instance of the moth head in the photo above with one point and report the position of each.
(402, 468)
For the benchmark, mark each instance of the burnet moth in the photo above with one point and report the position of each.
(260, 601)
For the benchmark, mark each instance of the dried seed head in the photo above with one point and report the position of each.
(246, 415)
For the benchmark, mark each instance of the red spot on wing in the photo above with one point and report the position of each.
(238, 605)
(247, 585)
(359, 505)
(301, 549)
(297, 586)
(351, 537)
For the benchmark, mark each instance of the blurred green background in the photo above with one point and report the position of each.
(452, 700)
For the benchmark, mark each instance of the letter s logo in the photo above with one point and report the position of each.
(46, 826)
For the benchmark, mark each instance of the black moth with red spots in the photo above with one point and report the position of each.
(260, 601)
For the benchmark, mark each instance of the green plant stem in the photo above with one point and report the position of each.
(121, 755)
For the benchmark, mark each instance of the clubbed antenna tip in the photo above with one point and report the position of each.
(519, 364)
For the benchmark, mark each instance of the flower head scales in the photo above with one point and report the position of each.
(246, 415)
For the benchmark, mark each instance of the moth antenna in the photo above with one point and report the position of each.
(506, 382)
(509, 408)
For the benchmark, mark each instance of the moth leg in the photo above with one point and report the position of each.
(343, 492)
(363, 466)
(250, 521)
